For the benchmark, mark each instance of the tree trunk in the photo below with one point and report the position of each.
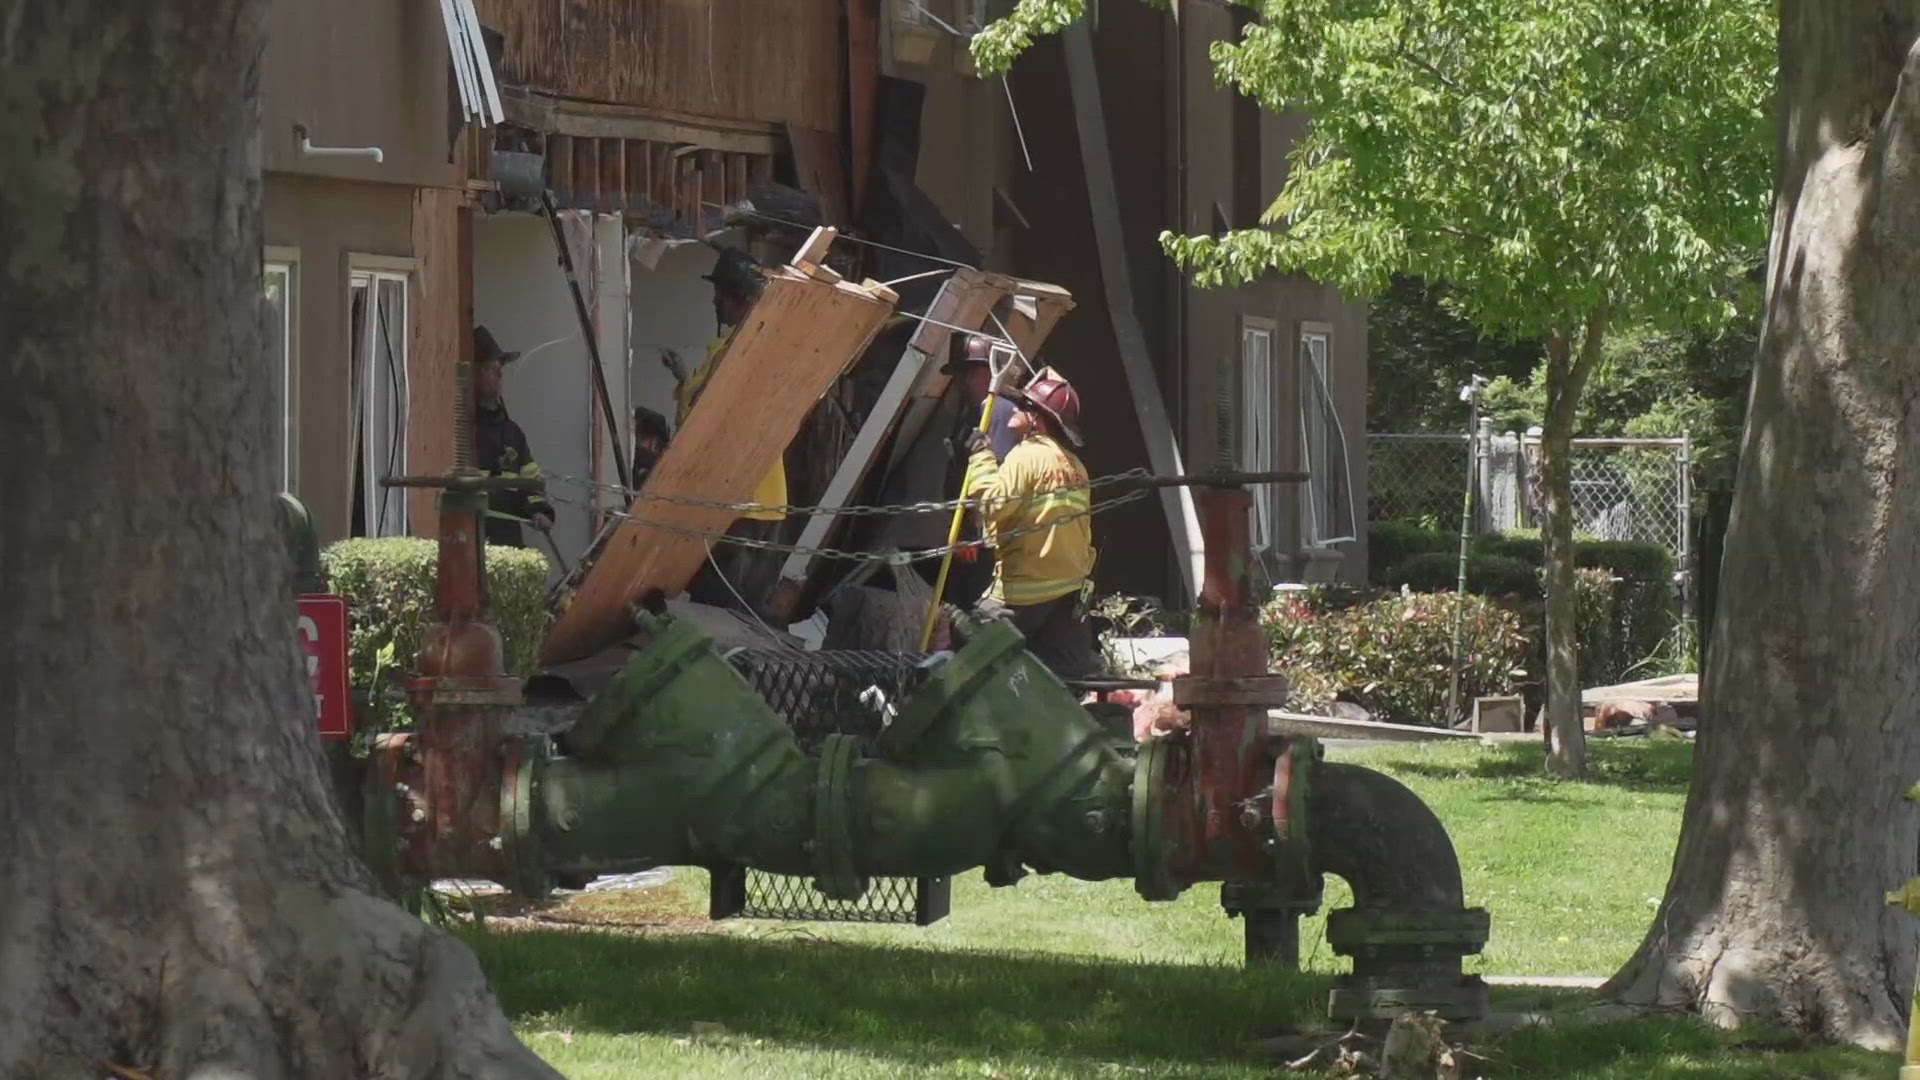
(1567, 374)
(1794, 826)
(180, 897)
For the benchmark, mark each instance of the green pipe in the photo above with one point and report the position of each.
(680, 762)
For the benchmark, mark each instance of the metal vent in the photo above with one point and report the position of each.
(819, 694)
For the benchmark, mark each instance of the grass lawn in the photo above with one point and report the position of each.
(1056, 977)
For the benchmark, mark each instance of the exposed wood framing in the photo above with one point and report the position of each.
(863, 88)
(799, 337)
(818, 167)
(606, 174)
(964, 300)
(735, 59)
(434, 353)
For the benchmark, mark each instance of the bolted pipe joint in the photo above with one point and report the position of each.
(1409, 928)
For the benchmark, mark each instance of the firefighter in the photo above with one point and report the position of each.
(749, 573)
(1040, 494)
(650, 436)
(972, 569)
(500, 448)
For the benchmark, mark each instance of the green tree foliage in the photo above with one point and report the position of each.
(1654, 384)
(1565, 166)
(1420, 353)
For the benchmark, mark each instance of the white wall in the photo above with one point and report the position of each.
(520, 294)
(672, 307)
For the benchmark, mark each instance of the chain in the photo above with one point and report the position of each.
(1131, 476)
(890, 558)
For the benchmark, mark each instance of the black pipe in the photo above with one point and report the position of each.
(1368, 829)
(592, 339)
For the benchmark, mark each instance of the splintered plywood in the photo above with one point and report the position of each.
(799, 337)
(964, 300)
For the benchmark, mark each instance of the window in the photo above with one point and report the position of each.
(1328, 515)
(379, 366)
(280, 282)
(1259, 443)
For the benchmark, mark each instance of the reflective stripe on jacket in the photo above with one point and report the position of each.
(773, 486)
(1038, 483)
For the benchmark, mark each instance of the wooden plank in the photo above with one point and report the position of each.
(820, 169)
(729, 59)
(799, 337)
(1280, 722)
(1035, 310)
(970, 310)
(433, 354)
(963, 300)
(1667, 688)
(1103, 202)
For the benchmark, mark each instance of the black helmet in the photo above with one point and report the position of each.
(736, 273)
(486, 348)
(648, 422)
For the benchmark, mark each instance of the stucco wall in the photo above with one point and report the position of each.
(327, 222)
(358, 73)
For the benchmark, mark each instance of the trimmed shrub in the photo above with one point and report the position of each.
(1393, 656)
(1487, 575)
(389, 585)
(1391, 543)
(1625, 558)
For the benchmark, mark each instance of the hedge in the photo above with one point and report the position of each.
(1487, 575)
(1391, 543)
(389, 585)
(1393, 656)
(1625, 558)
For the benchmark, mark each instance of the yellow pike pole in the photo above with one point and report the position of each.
(953, 530)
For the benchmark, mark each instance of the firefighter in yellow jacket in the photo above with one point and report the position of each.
(1035, 507)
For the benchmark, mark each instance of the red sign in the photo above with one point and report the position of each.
(323, 634)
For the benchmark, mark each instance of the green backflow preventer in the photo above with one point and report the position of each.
(680, 762)
(990, 763)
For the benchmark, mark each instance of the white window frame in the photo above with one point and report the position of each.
(285, 367)
(1323, 444)
(1259, 441)
(383, 391)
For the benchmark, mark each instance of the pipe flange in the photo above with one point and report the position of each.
(1368, 933)
(523, 861)
(833, 860)
(1153, 875)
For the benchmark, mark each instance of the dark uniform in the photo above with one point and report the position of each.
(500, 449)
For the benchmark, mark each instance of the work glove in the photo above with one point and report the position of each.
(978, 441)
(543, 522)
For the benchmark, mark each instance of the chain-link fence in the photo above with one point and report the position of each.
(1623, 489)
(1637, 490)
(1417, 478)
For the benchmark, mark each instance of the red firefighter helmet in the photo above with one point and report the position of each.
(1055, 396)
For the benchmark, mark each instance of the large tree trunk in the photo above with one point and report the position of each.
(1794, 826)
(1567, 374)
(179, 896)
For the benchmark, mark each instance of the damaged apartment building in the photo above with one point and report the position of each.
(414, 149)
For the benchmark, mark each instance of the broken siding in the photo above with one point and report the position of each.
(726, 59)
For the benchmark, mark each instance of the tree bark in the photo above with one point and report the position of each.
(180, 897)
(1567, 374)
(1794, 826)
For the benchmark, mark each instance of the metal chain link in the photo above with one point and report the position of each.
(1130, 476)
(891, 558)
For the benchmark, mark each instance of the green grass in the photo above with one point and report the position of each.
(1056, 977)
